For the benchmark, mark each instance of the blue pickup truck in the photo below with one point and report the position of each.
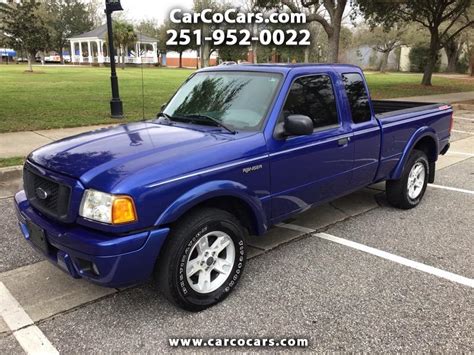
(236, 150)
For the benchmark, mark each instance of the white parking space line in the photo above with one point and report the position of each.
(451, 189)
(461, 153)
(464, 118)
(28, 335)
(388, 256)
(465, 132)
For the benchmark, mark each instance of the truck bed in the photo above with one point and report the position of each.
(387, 108)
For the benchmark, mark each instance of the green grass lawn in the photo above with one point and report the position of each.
(392, 85)
(5, 162)
(57, 97)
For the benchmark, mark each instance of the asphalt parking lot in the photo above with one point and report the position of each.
(353, 275)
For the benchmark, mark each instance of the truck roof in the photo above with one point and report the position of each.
(281, 68)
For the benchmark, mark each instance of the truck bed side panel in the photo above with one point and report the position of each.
(401, 132)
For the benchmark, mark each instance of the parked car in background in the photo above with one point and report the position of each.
(228, 63)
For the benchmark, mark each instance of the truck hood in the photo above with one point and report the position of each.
(124, 148)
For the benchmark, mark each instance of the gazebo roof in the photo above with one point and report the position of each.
(101, 33)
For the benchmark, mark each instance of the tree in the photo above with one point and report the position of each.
(453, 48)
(252, 6)
(163, 37)
(198, 6)
(95, 9)
(124, 37)
(438, 16)
(149, 28)
(455, 45)
(232, 53)
(25, 29)
(384, 41)
(419, 56)
(329, 13)
(470, 49)
(236, 52)
(66, 18)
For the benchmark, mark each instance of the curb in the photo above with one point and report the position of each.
(11, 173)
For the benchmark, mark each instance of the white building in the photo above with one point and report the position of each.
(91, 47)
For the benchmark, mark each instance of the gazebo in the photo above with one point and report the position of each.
(90, 47)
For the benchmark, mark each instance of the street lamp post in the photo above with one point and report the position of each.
(116, 106)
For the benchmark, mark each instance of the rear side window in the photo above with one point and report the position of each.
(358, 97)
(313, 96)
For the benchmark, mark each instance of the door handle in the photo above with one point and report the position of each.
(344, 141)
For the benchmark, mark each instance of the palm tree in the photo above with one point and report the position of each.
(124, 37)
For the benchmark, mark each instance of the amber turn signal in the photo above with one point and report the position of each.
(123, 210)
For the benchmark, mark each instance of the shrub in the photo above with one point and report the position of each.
(419, 56)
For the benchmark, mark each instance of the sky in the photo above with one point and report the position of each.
(138, 10)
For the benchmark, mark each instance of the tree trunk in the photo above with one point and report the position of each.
(430, 66)
(384, 62)
(180, 59)
(254, 44)
(333, 42)
(61, 55)
(471, 63)
(452, 52)
(31, 57)
(123, 59)
(452, 61)
(428, 73)
(254, 53)
(306, 54)
(205, 47)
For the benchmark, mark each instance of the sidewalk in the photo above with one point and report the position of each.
(20, 144)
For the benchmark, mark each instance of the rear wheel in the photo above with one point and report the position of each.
(408, 191)
(202, 260)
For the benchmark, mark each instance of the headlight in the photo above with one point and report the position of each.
(106, 208)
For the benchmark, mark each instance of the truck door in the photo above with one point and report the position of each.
(309, 169)
(366, 130)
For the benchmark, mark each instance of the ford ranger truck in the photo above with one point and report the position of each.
(236, 150)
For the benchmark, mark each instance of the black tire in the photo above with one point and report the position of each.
(170, 272)
(397, 190)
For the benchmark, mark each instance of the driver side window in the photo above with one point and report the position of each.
(313, 96)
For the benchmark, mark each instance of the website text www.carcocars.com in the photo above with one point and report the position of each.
(239, 342)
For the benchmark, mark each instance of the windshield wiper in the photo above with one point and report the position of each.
(210, 119)
(165, 115)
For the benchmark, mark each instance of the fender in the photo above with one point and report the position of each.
(419, 134)
(212, 189)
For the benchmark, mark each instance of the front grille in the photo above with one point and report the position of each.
(47, 196)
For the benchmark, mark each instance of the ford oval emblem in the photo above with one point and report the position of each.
(42, 194)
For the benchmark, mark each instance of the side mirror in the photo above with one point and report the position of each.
(298, 125)
(163, 107)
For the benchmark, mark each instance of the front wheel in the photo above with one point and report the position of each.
(202, 260)
(408, 191)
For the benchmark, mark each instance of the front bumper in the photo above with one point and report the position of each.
(107, 260)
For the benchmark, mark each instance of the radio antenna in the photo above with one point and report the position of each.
(143, 78)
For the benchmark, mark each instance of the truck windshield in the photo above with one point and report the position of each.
(239, 100)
